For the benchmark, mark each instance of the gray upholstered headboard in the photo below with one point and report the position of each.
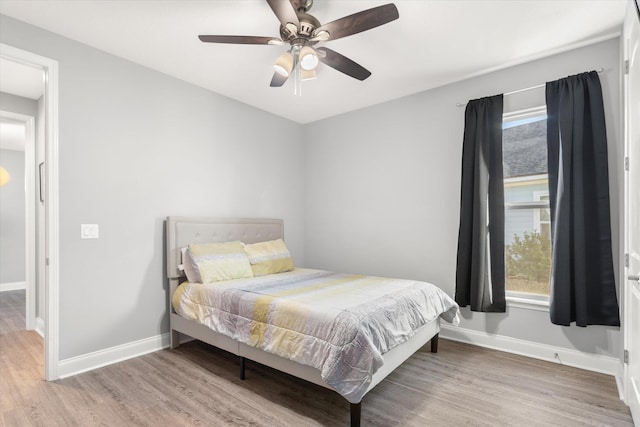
(184, 230)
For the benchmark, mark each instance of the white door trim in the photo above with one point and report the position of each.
(52, 224)
(631, 44)
(30, 213)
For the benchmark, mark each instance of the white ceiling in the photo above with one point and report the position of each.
(434, 42)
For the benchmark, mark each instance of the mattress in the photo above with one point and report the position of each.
(340, 324)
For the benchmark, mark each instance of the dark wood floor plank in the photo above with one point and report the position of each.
(199, 385)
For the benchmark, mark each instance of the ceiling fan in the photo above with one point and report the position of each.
(303, 31)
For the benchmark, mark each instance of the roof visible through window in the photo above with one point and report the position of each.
(524, 146)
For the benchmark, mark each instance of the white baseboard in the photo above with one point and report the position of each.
(40, 326)
(620, 385)
(108, 356)
(12, 286)
(564, 356)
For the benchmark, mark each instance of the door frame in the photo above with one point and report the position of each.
(52, 216)
(630, 331)
(29, 213)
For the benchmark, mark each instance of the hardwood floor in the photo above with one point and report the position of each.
(12, 309)
(199, 385)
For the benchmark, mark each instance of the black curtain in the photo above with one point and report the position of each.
(480, 264)
(582, 282)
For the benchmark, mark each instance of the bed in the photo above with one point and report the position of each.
(184, 231)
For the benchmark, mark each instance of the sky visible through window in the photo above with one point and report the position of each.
(513, 123)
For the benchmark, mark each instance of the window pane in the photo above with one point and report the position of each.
(545, 216)
(527, 251)
(527, 228)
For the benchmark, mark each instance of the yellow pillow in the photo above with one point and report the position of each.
(269, 257)
(221, 261)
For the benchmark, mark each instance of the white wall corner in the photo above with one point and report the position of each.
(97, 359)
(12, 286)
(40, 326)
(560, 355)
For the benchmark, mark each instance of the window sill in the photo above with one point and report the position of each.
(528, 304)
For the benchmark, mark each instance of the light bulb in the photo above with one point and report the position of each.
(308, 58)
(5, 177)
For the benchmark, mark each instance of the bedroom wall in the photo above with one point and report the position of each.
(12, 219)
(135, 146)
(383, 187)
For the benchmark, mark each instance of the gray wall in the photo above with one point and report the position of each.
(12, 219)
(135, 146)
(18, 104)
(383, 187)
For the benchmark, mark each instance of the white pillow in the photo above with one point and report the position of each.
(220, 261)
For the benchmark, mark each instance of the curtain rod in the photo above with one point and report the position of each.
(599, 70)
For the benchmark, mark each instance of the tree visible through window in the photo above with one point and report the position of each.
(526, 193)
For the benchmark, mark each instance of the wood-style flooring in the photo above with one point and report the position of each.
(197, 385)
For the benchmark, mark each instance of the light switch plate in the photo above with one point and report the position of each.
(89, 231)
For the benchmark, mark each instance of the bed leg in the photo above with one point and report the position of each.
(355, 414)
(175, 339)
(242, 376)
(434, 344)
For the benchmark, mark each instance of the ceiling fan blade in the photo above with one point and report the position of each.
(278, 80)
(285, 12)
(343, 64)
(361, 21)
(240, 39)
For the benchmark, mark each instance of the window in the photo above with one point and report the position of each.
(542, 217)
(527, 216)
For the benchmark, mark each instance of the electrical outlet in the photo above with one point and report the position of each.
(89, 231)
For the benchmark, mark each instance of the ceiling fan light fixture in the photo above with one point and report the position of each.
(308, 58)
(284, 64)
(307, 75)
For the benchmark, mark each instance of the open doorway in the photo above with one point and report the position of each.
(18, 211)
(21, 215)
(40, 186)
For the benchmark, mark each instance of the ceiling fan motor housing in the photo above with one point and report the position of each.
(302, 5)
(308, 24)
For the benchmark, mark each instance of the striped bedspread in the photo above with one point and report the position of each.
(340, 324)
